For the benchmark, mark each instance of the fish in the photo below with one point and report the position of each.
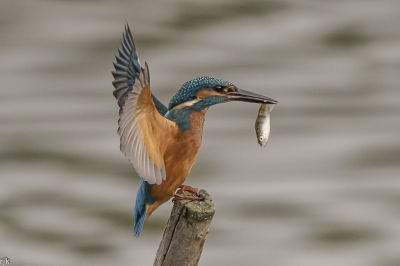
(263, 124)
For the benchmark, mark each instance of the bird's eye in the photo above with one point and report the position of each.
(218, 88)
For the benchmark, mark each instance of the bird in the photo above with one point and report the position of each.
(162, 143)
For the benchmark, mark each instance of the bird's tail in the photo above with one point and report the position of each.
(142, 198)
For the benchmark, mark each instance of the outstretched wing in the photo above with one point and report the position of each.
(142, 127)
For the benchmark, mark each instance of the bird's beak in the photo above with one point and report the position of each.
(248, 96)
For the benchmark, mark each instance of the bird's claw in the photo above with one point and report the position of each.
(188, 188)
(180, 196)
(184, 197)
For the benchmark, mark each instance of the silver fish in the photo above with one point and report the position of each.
(263, 123)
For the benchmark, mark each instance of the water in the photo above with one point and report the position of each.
(325, 190)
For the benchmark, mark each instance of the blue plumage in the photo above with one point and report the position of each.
(189, 89)
(161, 108)
(207, 102)
(189, 92)
(127, 67)
(142, 198)
(181, 118)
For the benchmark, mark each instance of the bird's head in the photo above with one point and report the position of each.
(200, 93)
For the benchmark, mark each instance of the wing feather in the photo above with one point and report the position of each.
(143, 129)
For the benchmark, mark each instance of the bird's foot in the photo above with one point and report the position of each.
(188, 188)
(180, 196)
(184, 197)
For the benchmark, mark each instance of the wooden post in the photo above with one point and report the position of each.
(186, 232)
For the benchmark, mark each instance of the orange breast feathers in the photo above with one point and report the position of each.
(179, 158)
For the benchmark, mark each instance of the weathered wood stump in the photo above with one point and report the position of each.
(186, 232)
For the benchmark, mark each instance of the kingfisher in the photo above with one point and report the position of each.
(162, 143)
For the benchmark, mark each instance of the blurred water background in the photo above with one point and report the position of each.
(325, 190)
